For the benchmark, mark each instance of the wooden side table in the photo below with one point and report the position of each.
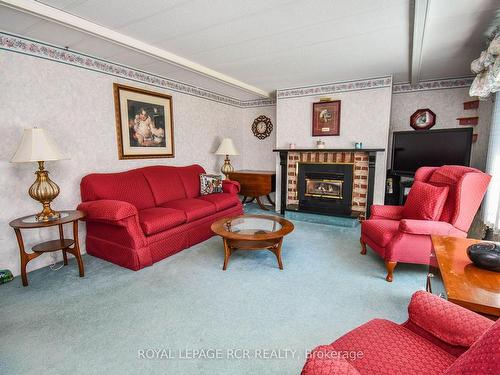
(453, 276)
(66, 245)
(255, 184)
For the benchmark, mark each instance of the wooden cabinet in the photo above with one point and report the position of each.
(255, 184)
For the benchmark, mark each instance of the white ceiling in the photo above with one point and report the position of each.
(272, 44)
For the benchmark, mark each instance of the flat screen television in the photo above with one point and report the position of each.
(433, 148)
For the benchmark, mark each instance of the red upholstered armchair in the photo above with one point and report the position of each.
(397, 239)
(439, 337)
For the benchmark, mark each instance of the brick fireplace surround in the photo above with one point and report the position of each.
(363, 162)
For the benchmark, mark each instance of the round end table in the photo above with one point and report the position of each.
(66, 245)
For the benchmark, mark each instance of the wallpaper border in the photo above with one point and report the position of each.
(438, 84)
(331, 88)
(14, 43)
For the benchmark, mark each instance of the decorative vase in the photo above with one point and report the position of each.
(485, 255)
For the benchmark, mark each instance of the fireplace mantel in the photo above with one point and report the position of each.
(370, 158)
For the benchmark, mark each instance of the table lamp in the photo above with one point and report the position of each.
(227, 148)
(37, 146)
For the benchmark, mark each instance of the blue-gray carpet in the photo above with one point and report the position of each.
(63, 324)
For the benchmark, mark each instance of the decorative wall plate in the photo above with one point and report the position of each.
(423, 119)
(262, 127)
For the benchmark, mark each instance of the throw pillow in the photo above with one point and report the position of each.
(425, 201)
(210, 183)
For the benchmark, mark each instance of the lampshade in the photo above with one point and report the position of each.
(226, 147)
(36, 145)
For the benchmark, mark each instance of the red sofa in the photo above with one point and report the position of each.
(397, 239)
(438, 338)
(141, 216)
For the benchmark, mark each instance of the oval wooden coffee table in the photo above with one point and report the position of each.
(252, 232)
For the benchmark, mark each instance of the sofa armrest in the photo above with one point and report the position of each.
(106, 210)
(324, 360)
(388, 212)
(428, 227)
(443, 319)
(231, 187)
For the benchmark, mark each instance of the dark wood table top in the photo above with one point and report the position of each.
(467, 285)
(248, 171)
(30, 222)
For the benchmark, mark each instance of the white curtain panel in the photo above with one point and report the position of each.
(491, 209)
(487, 70)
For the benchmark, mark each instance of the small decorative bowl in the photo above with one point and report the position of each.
(485, 255)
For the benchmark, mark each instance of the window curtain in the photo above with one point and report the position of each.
(491, 207)
(486, 83)
(487, 70)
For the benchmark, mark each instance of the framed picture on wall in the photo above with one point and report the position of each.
(326, 118)
(423, 119)
(144, 123)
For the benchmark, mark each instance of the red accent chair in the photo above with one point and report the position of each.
(439, 337)
(141, 216)
(397, 239)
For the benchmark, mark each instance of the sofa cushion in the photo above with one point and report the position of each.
(131, 187)
(158, 219)
(192, 207)
(221, 201)
(190, 177)
(448, 322)
(388, 348)
(210, 183)
(380, 231)
(483, 357)
(425, 202)
(165, 183)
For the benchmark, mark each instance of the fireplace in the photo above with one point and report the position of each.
(325, 187)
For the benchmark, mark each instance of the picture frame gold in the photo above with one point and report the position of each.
(144, 123)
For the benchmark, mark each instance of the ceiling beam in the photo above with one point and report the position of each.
(420, 11)
(80, 24)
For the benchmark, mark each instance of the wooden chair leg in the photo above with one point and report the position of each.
(269, 199)
(261, 205)
(390, 269)
(363, 247)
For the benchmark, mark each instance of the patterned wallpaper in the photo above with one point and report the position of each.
(331, 88)
(439, 84)
(39, 49)
(76, 107)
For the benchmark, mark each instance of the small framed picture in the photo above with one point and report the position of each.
(144, 123)
(326, 118)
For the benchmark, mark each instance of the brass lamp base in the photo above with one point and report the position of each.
(44, 190)
(227, 167)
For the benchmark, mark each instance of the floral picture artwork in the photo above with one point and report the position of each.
(144, 123)
(326, 118)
